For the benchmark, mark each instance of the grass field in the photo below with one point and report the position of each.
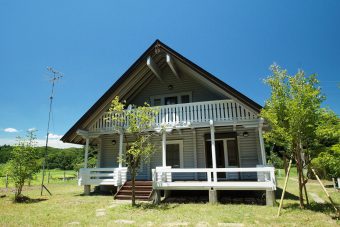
(51, 176)
(67, 206)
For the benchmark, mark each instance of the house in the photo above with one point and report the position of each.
(207, 134)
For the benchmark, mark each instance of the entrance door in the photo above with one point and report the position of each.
(220, 158)
(226, 156)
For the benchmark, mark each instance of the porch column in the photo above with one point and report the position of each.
(120, 149)
(263, 152)
(213, 150)
(164, 148)
(194, 142)
(86, 151)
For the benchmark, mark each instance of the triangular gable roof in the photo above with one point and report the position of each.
(71, 133)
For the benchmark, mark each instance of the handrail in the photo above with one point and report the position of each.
(163, 175)
(186, 114)
(93, 176)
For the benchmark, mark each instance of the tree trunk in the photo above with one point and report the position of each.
(299, 170)
(285, 164)
(133, 178)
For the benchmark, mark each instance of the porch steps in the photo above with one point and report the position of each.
(143, 191)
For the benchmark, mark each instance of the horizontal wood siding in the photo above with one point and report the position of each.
(248, 151)
(200, 92)
(109, 152)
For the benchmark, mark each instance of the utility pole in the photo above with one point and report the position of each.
(56, 76)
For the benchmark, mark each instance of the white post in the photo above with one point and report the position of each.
(86, 151)
(164, 148)
(120, 149)
(263, 152)
(213, 150)
(194, 141)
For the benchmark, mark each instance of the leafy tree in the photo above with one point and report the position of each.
(325, 151)
(293, 111)
(135, 122)
(5, 152)
(24, 163)
(78, 162)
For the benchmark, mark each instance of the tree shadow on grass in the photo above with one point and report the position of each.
(161, 206)
(325, 208)
(288, 195)
(27, 200)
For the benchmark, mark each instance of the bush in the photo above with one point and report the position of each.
(24, 163)
(275, 160)
(327, 164)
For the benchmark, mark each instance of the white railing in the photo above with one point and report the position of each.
(264, 178)
(186, 114)
(102, 176)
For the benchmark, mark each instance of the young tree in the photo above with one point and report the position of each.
(136, 121)
(293, 111)
(24, 163)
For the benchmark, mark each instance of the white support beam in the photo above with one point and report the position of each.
(154, 68)
(213, 149)
(172, 66)
(164, 148)
(86, 151)
(263, 152)
(121, 149)
(194, 142)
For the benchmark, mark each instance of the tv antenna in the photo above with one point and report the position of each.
(55, 77)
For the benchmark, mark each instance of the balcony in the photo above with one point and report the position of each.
(196, 114)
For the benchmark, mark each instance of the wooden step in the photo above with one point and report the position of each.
(138, 188)
(129, 192)
(128, 197)
(139, 183)
(143, 191)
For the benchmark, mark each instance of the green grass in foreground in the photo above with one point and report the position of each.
(67, 205)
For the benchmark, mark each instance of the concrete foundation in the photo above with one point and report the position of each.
(270, 198)
(213, 196)
(87, 189)
(167, 193)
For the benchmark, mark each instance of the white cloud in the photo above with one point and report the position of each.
(41, 143)
(54, 136)
(10, 130)
(31, 129)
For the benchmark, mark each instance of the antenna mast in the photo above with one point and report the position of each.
(56, 76)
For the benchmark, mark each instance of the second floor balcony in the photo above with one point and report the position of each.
(186, 115)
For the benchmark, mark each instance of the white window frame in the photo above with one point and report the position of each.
(178, 95)
(180, 142)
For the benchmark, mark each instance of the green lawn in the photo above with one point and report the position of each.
(54, 175)
(68, 206)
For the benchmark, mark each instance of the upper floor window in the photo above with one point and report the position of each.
(171, 99)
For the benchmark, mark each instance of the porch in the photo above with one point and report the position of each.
(264, 179)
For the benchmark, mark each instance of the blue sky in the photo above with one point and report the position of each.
(93, 42)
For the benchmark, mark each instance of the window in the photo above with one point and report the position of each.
(157, 102)
(171, 99)
(185, 98)
(174, 153)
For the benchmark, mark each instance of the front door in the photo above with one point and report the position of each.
(220, 158)
(226, 155)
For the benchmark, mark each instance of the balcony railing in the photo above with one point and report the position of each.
(187, 114)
